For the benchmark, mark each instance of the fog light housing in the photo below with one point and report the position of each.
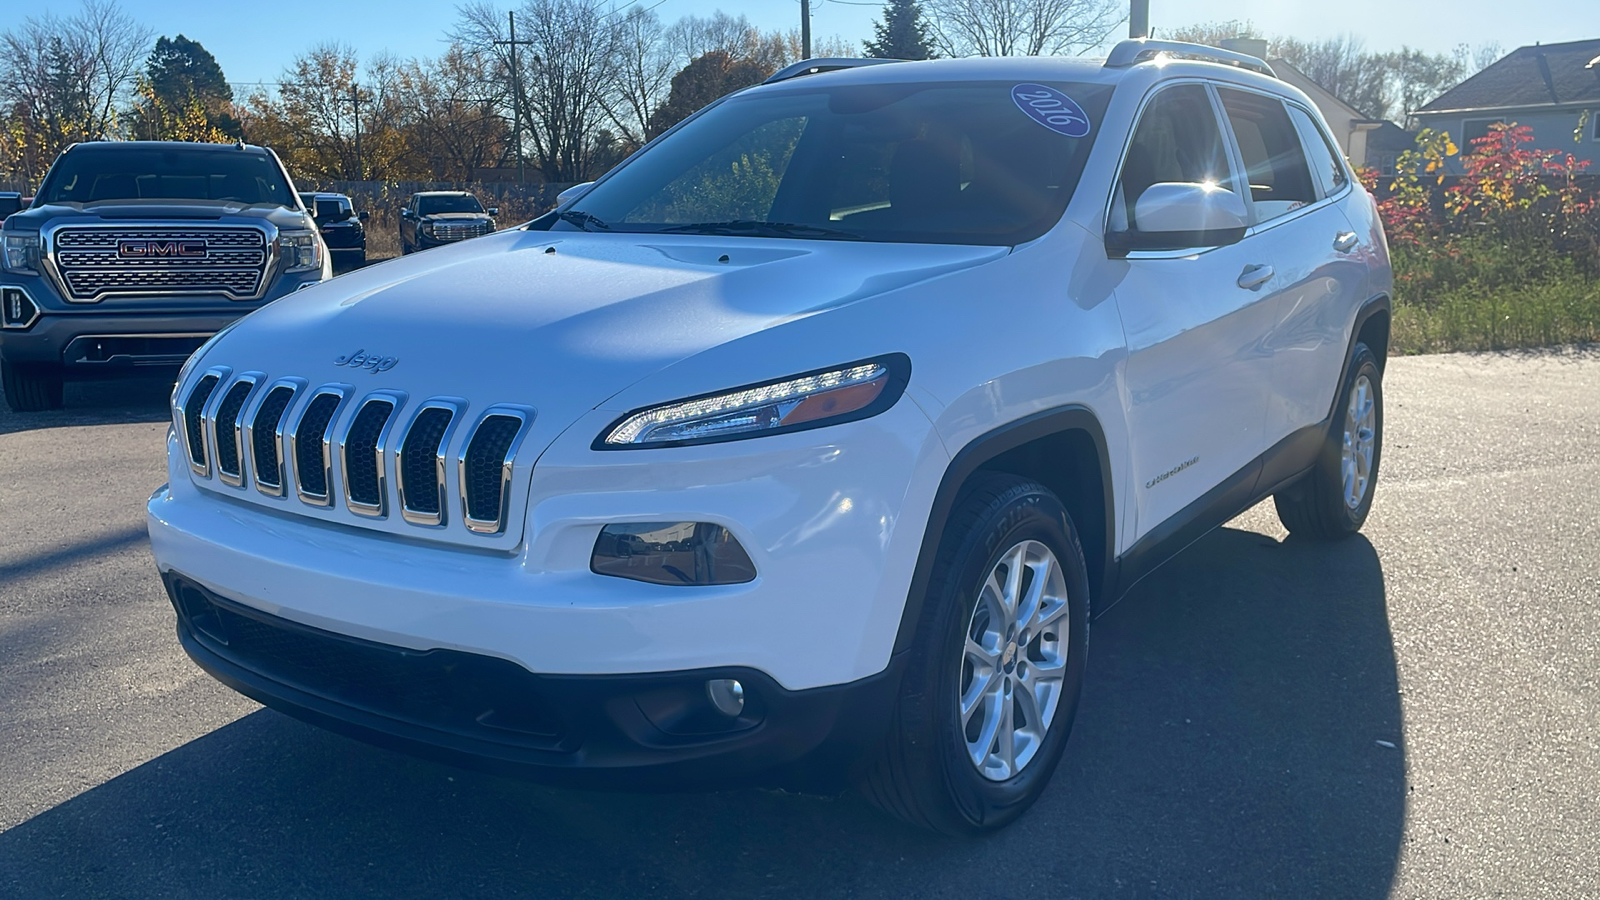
(18, 312)
(727, 695)
(676, 553)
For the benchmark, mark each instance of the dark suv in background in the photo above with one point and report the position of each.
(135, 252)
(433, 218)
(341, 227)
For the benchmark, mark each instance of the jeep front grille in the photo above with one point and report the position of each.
(334, 434)
(95, 262)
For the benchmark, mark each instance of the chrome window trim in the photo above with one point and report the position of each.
(253, 379)
(397, 400)
(441, 458)
(498, 524)
(296, 385)
(47, 260)
(341, 391)
(38, 312)
(180, 410)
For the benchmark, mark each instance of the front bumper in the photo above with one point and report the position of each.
(643, 731)
(125, 333)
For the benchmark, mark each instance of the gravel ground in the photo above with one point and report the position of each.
(1413, 712)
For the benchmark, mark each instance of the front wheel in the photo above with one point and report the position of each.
(1333, 499)
(997, 668)
(30, 388)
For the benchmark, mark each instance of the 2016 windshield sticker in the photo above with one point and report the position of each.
(1052, 109)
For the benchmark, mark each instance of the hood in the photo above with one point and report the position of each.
(147, 210)
(562, 322)
(455, 216)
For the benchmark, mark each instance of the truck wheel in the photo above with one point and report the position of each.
(30, 388)
(994, 677)
(1333, 499)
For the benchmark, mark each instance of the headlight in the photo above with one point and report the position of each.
(427, 228)
(301, 250)
(22, 253)
(824, 397)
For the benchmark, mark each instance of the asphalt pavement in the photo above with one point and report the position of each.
(1413, 712)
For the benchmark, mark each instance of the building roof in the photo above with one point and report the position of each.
(1390, 136)
(1541, 75)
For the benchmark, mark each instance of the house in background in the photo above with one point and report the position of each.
(1552, 88)
(1366, 143)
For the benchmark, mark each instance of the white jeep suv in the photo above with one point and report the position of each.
(804, 444)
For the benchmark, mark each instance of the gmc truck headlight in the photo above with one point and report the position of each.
(824, 397)
(427, 228)
(22, 253)
(301, 250)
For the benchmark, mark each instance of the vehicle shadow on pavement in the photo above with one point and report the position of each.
(143, 398)
(1227, 745)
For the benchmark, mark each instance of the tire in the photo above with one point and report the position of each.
(926, 772)
(30, 388)
(1326, 505)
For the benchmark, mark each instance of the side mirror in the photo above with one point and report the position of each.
(1178, 215)
(494, 210)
(364, 215)
(573, 193)
(405, 213)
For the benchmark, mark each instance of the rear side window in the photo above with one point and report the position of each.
(1274, 161)
(1325, 162)
(1178, 139)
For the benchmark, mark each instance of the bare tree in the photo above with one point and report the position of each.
(564, 75)
(450, 126)
(1021, 27)
(642, 73)
(67, 80)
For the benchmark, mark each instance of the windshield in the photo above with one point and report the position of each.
(929, 163)
(449, 203)
(129, 172)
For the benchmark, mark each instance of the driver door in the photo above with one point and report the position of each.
(1197, 323)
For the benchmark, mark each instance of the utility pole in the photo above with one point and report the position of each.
(1138, 18)
(805, 29)
(355, 101)
(516, 96)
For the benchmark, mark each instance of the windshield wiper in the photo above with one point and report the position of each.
(583, 220)
(752, 227)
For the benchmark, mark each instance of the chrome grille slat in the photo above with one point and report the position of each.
(224, 426)
(266, 438)
(312, 440)
(89, 263)
(420, 464)
(192, 415)
(485, 469)
(459, 232)
(361, 455)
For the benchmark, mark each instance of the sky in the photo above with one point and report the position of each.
(255, 41)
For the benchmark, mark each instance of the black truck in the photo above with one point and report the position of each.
(342, 227)
(133, 253)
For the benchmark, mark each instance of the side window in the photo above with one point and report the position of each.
(1274, 161)
(1325, 162)
(1178, 139)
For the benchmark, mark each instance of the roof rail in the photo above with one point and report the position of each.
(816, 66)
(1138, 50)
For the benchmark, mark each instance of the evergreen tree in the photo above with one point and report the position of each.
(706, 78)
(903, 34)
(184, 83)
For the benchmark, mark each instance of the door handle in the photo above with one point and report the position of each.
(1346, 241)
(1255, 276)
